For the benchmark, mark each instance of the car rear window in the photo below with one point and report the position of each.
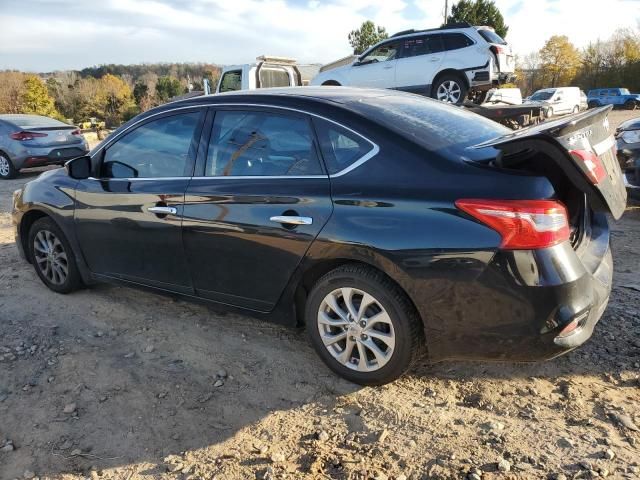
(492, 37)
(436, 126)
(31, 121)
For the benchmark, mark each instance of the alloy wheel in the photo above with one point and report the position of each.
(356, 329)
(449, 91)
(50, 257)
(5, 168)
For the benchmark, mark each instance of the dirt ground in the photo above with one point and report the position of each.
(115, 383)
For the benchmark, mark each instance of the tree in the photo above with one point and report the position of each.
(140, 90)
(479, 12)
(368, 34)
(559, 60)
(36, 99)
(114, 98)
(11, 90)
(167, 88)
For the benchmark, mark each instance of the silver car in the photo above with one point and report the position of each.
(33, 140)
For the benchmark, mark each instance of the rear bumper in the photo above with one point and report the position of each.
(517, 308)
(37, 157)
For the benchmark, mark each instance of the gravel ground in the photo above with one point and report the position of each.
(115, 383)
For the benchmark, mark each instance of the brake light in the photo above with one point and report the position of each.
(76, 132)
(496, 49)
(24, 135)
(592, 165)
(522, 224)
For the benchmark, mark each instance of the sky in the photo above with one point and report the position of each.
(47, 35)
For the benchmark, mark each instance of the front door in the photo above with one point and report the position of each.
(377, 69)
(261, 199)
(128, 219)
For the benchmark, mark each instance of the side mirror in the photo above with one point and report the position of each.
(79, 168)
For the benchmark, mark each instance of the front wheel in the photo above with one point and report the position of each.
(7, 170)
(52, 257)
(362, 325)
(592, 104)
(630, 105)
(576, 109)
(450, 89)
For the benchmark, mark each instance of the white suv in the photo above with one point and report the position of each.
(446, 63)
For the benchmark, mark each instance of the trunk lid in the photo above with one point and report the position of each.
(588, 131)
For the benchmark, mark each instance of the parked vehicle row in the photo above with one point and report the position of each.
(384, 222)
(34, 140)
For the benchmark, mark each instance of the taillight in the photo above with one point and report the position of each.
(592, 165)
(24, 135)
(522, 224)
(496, 49)
(76, 132)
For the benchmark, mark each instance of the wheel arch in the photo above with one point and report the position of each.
(331, 83)
(449, 71)
(26, 222)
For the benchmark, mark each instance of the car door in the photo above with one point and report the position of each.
(260, 199)
(614, 97)
(377, 68)
(419, 63)
(128, 217)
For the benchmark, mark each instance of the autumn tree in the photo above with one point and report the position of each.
(559, 61)
(36, 99)
(11, 90)
(365, 36)
(114, 97)
(479, 12)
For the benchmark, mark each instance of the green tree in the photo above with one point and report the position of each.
(559, 61)
(140, 90)
(479, 12)
(167, 88)
(36, 99)
(368, 34)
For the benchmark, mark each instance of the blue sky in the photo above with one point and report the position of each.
(43, 35)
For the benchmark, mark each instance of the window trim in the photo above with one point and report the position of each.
(200, 139)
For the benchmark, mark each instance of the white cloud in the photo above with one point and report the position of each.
(43, 35)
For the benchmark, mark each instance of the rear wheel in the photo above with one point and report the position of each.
(330, 83)
(576, 109)
(449, 88)
(362, 325)
(52, 257)
(7, 170)
(630, 105)
(592, 104)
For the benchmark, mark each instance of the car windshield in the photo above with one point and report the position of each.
(438, 127)
(542, 95)
(492, 37)
(624, 91)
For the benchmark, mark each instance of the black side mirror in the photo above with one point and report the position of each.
(79, 168)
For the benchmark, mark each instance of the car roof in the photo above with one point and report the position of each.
(28, 120)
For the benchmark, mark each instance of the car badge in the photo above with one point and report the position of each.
(605, 123)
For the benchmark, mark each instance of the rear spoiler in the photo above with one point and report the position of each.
(588, 131)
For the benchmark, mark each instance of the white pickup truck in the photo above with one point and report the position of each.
(265, 72)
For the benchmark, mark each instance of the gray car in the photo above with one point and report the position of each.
(33, 140)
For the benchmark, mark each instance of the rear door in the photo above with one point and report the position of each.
(260, 198)
(419, 63)
(584, 147)
(377, 69)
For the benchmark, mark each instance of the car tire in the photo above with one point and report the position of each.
(389, 346)
(575, 110)
(331, 83)
(7, 170)
(550, 112)
(449, 88)
(52, 257)
(592, 105)
(630, 105)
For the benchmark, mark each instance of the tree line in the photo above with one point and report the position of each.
(113, 93)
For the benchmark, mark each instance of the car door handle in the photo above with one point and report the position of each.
(163, 210)
(292, 220)
(387, 66)
(434, 59)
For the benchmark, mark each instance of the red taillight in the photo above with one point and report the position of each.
(592, 164)
(496, 49)
(76, 132)
(24, 135)
(522, 224)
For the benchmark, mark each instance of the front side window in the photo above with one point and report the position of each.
(340, 147)
(456, 41)
(613, 93)
(384, 53)
(274, 77)
(231, 81)
(251, 143)
(159, 148)
(415, 46)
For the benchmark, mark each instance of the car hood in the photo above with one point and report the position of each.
(633, 124)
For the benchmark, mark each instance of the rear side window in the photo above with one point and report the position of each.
(274, 77)
(416, 46)
(251, 143)
(456, 41)
(231, 81)
(613, 93)
(603, 93)
(159, 148)
(492, 37)
(340, 147)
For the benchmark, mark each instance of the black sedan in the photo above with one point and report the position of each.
(384, 222)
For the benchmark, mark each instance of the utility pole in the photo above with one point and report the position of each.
(446, 11)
